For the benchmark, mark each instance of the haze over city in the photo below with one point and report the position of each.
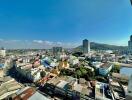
(47, 23)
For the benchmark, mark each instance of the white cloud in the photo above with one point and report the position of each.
(59, 43)
(37, 44)
(48, 42)
(38, 41)
(26, 40)
(14, 40)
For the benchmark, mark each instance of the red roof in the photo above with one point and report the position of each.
(25, 95)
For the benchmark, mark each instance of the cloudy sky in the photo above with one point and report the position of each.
(36, 44)
(47, 23)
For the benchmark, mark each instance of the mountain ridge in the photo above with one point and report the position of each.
(102, 46)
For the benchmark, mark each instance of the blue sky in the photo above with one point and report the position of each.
(64, 22)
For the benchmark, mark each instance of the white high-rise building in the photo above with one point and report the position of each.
(2, 52)
(86, 46)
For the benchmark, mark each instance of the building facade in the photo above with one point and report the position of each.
(129, 94)
(2, 52)
(105, 69)
(130, 44)
(101, 91)
(86, 46)
(57, 50)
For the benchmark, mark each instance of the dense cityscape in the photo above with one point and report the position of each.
(59, 73)
(66, 50)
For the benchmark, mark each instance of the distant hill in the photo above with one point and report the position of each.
(99, 46)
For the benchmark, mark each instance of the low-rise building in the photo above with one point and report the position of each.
(63, 64)
(117, 90)
(8, 86)
(97, 57)
(48, 62)
(73, 60)
(102, 91)
(119, 77)
(105, 69)
(46, 78)
(69, 85)
(129, 94)
(29, 93)
(27, 71)
(1, 72)
(97, 64)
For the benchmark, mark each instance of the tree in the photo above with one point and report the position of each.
(84, 73)
(116, 69)
(83, 70)
(90, 73)
(78, 73)
(42, 74)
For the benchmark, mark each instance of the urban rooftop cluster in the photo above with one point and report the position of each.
(61, 74)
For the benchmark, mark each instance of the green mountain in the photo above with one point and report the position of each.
(99, 46)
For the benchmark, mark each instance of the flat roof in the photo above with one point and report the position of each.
(9, 87)
(86, 91)
(106, 65)
(114, 83)
(22, 90)
(25, 94)
(78, 88)
(5, 79)
(120, 76)
(62, 84)
(38, 96)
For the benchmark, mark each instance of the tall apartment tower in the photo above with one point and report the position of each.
(86, 46)
(130, 44)
(57, 50)
(2, 52)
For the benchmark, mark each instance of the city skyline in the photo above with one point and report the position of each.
(66, 50)
(44, 24)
